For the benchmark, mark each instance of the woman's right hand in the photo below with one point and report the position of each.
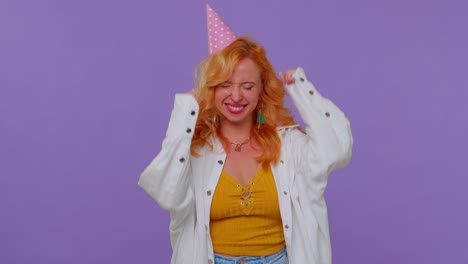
(191, 92)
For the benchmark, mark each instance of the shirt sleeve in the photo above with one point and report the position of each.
(327, 144)
(167, 178)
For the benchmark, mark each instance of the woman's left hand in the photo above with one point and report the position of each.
(287, 77)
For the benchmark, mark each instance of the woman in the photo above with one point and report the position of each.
(243, 183)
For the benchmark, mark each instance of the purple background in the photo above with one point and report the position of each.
(86, 89)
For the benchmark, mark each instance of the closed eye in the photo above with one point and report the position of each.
(225, 85)
(248, 85)
(244, 85)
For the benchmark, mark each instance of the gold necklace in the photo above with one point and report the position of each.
(238, 147)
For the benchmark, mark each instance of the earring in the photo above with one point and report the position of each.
(260, 117)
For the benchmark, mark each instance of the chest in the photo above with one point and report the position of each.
(258, 198)
(242, 165)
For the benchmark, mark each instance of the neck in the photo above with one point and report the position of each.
(236, 133)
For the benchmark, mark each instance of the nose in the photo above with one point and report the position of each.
(236, 93)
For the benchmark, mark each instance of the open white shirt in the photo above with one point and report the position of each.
(185, 185)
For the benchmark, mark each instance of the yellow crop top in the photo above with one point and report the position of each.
(245, 219)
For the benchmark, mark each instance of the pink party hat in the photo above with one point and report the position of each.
(219, 34)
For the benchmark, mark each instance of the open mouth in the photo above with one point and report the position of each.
(235, 109)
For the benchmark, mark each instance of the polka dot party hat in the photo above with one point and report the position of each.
(219, 34)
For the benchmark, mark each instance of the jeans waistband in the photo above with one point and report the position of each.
(280, 257)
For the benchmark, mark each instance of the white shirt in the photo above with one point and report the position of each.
(185, 185)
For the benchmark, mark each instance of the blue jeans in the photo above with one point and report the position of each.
(280, 257)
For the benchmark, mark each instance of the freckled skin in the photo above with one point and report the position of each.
(237, 101)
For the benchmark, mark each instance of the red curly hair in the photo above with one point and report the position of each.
(216, 69)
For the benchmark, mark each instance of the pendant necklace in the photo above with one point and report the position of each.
(238, 147)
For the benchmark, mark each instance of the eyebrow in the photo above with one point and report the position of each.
(252, 82)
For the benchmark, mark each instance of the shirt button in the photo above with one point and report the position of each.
(302, 79)
(188, 130)
(182, 159)
(285, 193)
(282, 161)
(192, 113)
(208, 193)
(220, 162)
(311, 92)
(286, 226)
(327, 114)
(210, 261)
